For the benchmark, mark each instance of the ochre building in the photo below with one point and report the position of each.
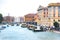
(47, 15)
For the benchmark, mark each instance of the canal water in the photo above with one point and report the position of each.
(18, 33)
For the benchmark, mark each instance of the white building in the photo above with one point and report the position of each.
(21, 19)
(17, 19)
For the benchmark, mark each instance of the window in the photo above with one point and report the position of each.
(59, 20)
(54, 11)
(59, 11)
(44, 15)
(44, 12)
(53, 20)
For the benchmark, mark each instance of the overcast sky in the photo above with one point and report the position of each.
(22, 7)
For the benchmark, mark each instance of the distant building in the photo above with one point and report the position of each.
(8, 19)
(31, 18)
(21, 19)
(17, 19)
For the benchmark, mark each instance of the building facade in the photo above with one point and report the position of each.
(29, 17)
(17, 19)
(54, 12)
(49, 14)
(8, 19)
(43, 14)
(21, 19)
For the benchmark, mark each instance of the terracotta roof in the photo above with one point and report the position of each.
(54, 4)
(30, 15)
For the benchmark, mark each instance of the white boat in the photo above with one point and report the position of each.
(2, 27)
(37, 29)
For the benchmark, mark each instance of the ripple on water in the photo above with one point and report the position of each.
(17, 33)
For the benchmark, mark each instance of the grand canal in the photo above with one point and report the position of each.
(18, 33)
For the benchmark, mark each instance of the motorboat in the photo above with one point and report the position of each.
(2, 27)
(23, 25)
(37, 29)
(31, 27)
